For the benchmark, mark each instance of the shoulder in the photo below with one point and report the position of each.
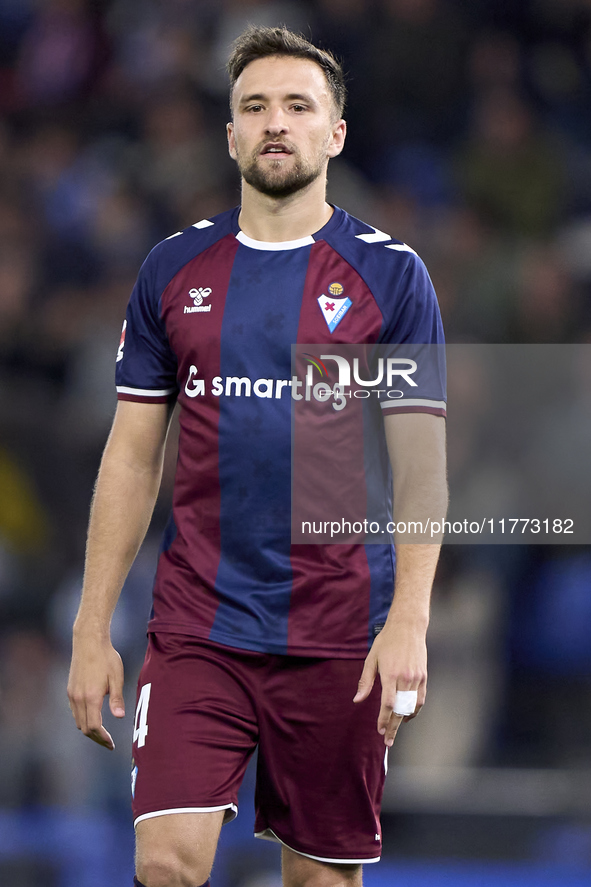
(396, 277)
(384, 262)
(370, 249)
(167, 258)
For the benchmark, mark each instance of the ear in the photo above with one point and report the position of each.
(337, 141)
(231, 140)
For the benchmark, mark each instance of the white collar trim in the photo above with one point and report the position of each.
(280, 245)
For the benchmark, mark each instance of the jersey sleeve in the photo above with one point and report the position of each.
(414, 345)
(146, 368)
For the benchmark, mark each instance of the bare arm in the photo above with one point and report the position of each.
(416, 444)
(126, 490)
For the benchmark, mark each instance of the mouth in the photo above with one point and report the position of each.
(275, 150)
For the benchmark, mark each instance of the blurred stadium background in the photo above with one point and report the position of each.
(470, 139)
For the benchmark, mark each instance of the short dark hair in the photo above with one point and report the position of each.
(258, 43)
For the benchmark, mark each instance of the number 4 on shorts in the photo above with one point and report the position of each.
(140, 727)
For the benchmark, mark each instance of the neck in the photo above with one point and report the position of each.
(276, 219)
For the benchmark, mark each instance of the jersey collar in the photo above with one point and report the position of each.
(333, 222)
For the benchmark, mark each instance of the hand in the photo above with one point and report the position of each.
(96, 670)
(399, 656)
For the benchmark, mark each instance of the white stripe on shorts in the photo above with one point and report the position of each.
(269, 835)
(231, 807)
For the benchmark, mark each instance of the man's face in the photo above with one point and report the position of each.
(285, 127)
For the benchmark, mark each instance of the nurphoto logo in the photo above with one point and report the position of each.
(387, 371)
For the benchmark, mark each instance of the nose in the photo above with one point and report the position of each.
(276, 121)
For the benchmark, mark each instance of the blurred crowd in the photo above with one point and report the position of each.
(469, 138)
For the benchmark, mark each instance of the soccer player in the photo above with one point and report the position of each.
(255, 641)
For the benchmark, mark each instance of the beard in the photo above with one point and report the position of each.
(276, 181)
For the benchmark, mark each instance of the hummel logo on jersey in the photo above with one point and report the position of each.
(333, 310)
(198, 295)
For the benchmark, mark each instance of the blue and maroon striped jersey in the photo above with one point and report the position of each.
(211, 322)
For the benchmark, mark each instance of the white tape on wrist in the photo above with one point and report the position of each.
(405, 702)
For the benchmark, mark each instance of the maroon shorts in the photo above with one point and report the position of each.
(202, 710)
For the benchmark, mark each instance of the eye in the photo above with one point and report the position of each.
(255, 108)
(298, 108)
